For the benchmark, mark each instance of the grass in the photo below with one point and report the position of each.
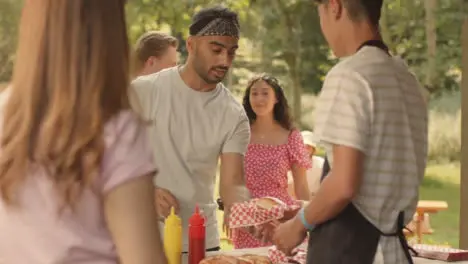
(442, 182)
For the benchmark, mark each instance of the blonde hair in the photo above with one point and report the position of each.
(151, 44)
(71, 76)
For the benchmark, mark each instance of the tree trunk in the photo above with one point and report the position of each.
(464, 136)
(266, 59)
(297, 94)
(430, 7)
(292, 57)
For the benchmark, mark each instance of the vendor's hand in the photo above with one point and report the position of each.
(289, 214)
(289, 235)
(164, 200)
(265, 232)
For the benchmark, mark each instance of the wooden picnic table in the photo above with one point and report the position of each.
(425, 206)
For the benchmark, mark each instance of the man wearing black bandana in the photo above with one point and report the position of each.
(371, 118)
(195, 121)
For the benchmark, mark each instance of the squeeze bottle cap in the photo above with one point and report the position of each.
(197, 219)
(173, 219)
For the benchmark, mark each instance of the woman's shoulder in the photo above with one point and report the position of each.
(294, 132)
(123, 119)
(294, 135)
(122, 126)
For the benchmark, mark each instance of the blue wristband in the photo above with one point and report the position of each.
(308, 226)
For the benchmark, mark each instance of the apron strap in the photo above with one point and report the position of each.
(401, 236)
(325, 169)
(400, 223)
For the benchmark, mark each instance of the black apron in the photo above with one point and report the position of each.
(350, 238)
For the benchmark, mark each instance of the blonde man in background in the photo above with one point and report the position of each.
(154, 51)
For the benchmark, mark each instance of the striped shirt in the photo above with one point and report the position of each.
(371, 102)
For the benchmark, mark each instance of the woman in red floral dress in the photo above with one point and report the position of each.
(275, 148)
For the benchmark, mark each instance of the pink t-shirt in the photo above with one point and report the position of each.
(35, 234)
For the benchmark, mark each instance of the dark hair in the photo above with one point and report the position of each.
(280, 111)
(359, 9)
(206, 15)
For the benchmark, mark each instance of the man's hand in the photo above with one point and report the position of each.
(289, 235)
(164, 200)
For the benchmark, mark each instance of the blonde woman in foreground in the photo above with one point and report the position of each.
(75, 171)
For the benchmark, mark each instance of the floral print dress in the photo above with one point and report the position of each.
(266, 168)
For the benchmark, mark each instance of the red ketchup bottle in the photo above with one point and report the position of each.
(196, 237)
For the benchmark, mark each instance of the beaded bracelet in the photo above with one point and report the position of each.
(308, 226)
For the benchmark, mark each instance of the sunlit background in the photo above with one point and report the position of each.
(283, 37)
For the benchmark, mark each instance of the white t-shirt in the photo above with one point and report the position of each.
(313, 175)
(371, 102)
(189, 132)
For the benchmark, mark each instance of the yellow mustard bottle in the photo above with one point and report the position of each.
(173, 238)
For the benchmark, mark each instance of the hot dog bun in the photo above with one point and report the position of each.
(245, 259)
(256, 259)
(219, 259)
(269, 202)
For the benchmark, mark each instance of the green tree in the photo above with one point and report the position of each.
(9, 17)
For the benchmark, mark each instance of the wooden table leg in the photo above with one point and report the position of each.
(419, 223)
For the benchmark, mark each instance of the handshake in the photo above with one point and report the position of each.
(261, 217)
(286, 232)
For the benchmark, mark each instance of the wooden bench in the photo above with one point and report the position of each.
(423, 208)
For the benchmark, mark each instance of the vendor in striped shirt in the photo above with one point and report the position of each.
(371, 118)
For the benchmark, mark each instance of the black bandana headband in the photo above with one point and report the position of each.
(220, 27)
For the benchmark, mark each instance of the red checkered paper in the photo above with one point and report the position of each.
(278, 257)
(440, 252)
(248, 214)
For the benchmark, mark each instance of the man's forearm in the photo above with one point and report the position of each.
(302, 191)
(232, 182)
(329, 201)
(231, 194)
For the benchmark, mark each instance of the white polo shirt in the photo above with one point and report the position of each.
(189, 131)
(371, 102)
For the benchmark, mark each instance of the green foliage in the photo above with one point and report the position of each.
(442, 182)
(9, 16)
(310, 47)
(445, 128)
(403, 27)
(284, 37)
